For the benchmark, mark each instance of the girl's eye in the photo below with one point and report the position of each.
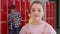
(33, 10)
(39, 10)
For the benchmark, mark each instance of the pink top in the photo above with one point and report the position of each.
(43, 28)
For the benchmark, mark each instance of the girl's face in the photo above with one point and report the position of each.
(36, 11)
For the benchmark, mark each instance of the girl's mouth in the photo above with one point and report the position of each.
(36, 15)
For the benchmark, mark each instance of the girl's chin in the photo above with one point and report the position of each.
(36, 18)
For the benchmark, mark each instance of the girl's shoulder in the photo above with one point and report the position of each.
(47, 25)
(50, 29)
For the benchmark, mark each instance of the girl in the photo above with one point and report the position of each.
(37, 26)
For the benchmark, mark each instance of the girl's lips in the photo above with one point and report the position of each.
(36, 15)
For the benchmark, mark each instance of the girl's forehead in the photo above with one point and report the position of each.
(36, 6)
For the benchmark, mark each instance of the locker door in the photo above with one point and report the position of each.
(3, 17)
(17, 4)
(51, 13)
(27, 8)
(25, 5)
(0, 16)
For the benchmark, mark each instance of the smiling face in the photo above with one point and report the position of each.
(36, 11)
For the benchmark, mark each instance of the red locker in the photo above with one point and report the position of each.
(4, 10)
(17, 4)
(25, 5)
(50, 13)
(27, 8)
(3, 17)
(22, 6)
(4, 27)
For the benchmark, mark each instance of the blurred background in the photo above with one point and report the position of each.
(51, 16)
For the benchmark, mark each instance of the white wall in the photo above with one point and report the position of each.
(44, 2)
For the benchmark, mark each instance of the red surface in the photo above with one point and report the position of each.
(4, 10)
(27, 8)
(4, 13)
(4, 28)
(50, 13)
(17, 4)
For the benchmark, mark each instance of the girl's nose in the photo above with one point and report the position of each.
(36, 12)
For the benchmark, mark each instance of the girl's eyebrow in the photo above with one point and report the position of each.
(32, 8)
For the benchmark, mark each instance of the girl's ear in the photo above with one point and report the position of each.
(29, 15)
(30, 19)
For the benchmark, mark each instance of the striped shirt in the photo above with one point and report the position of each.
(15, 19)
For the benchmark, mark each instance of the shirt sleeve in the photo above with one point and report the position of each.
(50, 30)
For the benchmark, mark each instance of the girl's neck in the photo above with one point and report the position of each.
(36, 22)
